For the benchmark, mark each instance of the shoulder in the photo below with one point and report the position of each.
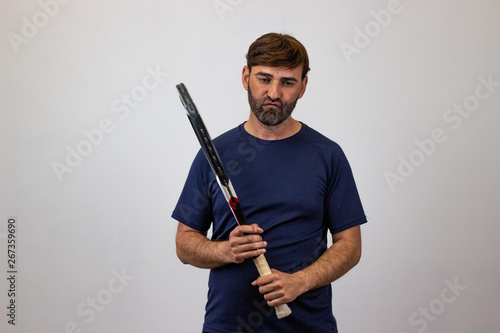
(229, 137)
(230, 143)
(320, 142)
(221, 143)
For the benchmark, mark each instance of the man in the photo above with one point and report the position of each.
(294, 185)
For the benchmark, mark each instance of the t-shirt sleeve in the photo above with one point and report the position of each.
(194, 208)
(343, 208)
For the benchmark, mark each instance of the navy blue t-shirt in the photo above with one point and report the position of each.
(296, 189)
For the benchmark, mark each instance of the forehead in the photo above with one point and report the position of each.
(278, 72)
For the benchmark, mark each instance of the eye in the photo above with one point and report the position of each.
(288, 83)
(264, 80)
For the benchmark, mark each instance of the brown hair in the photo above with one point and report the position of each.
(278, 50)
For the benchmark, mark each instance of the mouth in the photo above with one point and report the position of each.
(273, 104)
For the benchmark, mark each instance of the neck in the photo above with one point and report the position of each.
(282, 131)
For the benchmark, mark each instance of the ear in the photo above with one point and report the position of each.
(303, 87)
(245, 76)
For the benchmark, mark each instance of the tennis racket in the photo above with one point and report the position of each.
(222, 177)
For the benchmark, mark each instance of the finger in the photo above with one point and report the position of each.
(248, 229)
(277, 301)
(274, 295)
(246, 247)
(241, 254)
(271, 294)
(236, 232)
(249, 254)
(257, 229)
(253, 241)
(242, 230)
(264, 280)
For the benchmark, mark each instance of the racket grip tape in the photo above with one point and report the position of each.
(282, 310)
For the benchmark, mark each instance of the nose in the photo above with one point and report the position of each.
(274, 91)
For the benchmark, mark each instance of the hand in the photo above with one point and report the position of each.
(279, 288)
(245, 242)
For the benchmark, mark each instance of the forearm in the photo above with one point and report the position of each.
(194, 248)
(197, 250)
(336, 261)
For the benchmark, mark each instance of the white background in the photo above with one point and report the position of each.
(111, 213)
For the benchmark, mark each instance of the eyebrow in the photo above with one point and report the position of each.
(285, 78)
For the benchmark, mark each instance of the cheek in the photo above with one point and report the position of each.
(294, 96)
(291, 97)
(257, 92)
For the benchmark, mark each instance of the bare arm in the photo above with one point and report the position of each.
(194, 248)
(344, 254)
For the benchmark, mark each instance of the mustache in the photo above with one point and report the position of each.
(276, 101)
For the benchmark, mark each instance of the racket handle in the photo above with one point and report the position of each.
(282, 310)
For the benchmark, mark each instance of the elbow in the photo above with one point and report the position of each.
(183, 257)
(180, 256)
(356, 256)
(180, 252)
(185, 262)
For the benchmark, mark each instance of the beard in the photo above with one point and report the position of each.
(270, 115)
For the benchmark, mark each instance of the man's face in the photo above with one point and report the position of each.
(273, 92)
